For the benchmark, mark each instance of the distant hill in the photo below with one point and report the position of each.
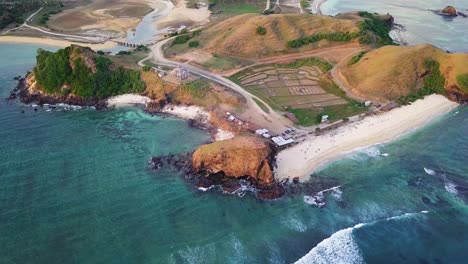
(393, 72)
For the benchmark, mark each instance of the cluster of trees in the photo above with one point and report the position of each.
(335, 36)
(54, 71)
(375, 25)
(434, 82)
(45, 17)
(357, 58)
(14, 11)
(185, 36)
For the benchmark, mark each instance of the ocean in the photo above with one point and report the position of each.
(75, 187)
(421, 24)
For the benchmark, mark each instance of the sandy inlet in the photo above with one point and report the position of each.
(303, 159)
(55, 42)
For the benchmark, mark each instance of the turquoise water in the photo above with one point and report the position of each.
(75, 188)
(422, 25)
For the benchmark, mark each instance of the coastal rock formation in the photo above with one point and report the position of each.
(239, 157)
(449, 11)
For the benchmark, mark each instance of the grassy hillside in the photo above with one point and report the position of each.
(239, 36)
(392, 72)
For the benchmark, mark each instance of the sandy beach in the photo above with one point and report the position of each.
(303, 159)
(55, 42)
(178, 14)
(181, 111)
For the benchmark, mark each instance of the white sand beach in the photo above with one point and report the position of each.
(303, 159)
(55, 42)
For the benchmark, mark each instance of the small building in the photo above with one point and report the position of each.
(281, 141)
(367, 103)
(231, 118)
(261, 131)
(266, 135)
(324, 118)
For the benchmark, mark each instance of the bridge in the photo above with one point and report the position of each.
(133, 45)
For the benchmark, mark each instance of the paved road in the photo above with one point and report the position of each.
(273, 120)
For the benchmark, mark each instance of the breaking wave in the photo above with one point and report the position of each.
(429, 171)
(341, 246)
(319, 198)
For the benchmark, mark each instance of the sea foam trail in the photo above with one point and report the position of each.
(341, 247)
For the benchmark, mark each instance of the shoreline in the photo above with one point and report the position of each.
(301, 160)
(316, 6)
(186, 112)
(55, 42)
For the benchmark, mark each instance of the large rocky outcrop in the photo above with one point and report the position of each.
(243, 156)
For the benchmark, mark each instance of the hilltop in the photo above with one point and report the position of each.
(406, 73)
(250, 37)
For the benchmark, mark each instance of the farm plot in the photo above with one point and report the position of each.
(289, 88)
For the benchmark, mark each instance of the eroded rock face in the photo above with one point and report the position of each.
(449, 11)
(243, 156)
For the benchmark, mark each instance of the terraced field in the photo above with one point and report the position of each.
(300, 87)
(295, 88)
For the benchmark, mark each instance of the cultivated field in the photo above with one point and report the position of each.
(301, 87)
(286, 88)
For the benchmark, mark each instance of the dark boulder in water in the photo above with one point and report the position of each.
(449, 11)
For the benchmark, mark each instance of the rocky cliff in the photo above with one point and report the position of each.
(243, 156)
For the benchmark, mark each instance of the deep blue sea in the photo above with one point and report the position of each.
(75, 187)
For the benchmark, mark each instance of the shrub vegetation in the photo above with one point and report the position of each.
(261, 30)
(371, 23)
(434, 82)
(463, 82)
(194, 44)
(357, 58)
(54, 71)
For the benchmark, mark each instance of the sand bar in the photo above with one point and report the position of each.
(303, 159)
(55, 42)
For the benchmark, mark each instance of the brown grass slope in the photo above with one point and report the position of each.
(391, 72)
(236, 36)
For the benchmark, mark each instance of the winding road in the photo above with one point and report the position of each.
(75, 37)
(270, 119)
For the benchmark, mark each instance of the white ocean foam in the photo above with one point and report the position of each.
(319, 199)
(407, 215)
(239, 251)
(293, 222)
(366, 153)
(338, 248)
(450, 187)
(275, 255)
(203, 189)
(341, 247)
(200, 254)
(429, 171)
